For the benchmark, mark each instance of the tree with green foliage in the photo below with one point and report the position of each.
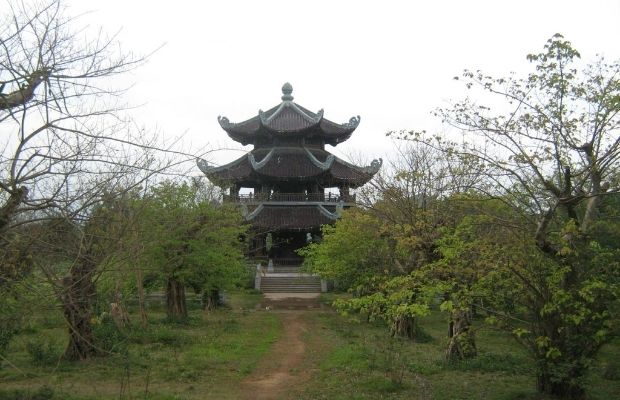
(550, 149)
(466, 253)
(377, 253)
(358, 254)
(191, 243)
(352, 253)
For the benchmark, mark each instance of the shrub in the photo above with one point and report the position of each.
(42, 352)
(162, 335)
(42, 393)
(108, 336)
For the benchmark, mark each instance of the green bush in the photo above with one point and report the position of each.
(42, 393)
(491, 362)
(9, 324)
(162, 335)
(611, 371)
(42, 352)
(108, 336)
(170, 337)
(6, 334)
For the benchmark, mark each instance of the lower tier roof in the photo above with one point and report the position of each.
(302, 218)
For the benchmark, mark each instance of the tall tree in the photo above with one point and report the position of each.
(192, 243)
(66, 142)
(550, 146)
(379, 253)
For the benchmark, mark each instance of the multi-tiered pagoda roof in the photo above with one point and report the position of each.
(289, 168)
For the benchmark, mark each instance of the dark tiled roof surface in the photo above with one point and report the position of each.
(291, 218)
(289, 120)
(289, 163)
(286, 119)
(343, 171)
(233, 171)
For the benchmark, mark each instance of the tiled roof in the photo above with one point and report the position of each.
(289, 118)
(292, 163)
(270, 218)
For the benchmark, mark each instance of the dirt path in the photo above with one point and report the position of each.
(278, 371)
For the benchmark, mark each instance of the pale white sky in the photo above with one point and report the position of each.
(391, 62)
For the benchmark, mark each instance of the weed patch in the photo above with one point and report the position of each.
(42, 393)
(43, 352)
(108, 336)
(491, 362)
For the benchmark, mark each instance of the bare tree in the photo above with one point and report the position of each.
(66, 144)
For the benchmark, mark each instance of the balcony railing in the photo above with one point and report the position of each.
(288, 197)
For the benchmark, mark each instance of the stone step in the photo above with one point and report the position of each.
(291, 290)
(271, 285)
(288, 285)
(279, 270)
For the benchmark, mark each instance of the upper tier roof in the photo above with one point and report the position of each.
(286, 119)
(290, 164)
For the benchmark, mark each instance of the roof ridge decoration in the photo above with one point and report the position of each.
(224, 122)
(372, 169)
(260, 164)
(287, 92)
(265, 120)
(329, 214)
(203, 165)
(353, 122)
(254, 213)
(287, 102)
(374, 166)
(322, 165)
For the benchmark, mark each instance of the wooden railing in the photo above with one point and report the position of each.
(286, 197)
(288, 261)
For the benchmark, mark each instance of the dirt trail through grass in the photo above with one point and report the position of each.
(277, 372)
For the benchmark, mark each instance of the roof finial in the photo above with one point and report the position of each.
(287, 89)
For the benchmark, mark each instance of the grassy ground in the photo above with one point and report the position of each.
(205, 358)
(210, 356)
(360, 361)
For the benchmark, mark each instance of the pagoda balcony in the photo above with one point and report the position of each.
(288, 198)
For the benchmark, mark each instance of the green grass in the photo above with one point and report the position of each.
(204, 358)
(360, 361)
(210, 355)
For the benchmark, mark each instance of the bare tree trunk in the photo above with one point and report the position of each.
(144, 321)
(118, 312)
(564, 389)
(11, 205)
(405, 327)
(79, 291)
(462, 341)
(210, 299)
(176, 306)
(25, 93)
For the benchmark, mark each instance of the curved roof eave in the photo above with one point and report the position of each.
(365, 174)
(288, 117)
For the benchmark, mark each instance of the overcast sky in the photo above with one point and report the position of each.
(391, 62)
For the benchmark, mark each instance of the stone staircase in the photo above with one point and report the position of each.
(290, 283)
(287, 278)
